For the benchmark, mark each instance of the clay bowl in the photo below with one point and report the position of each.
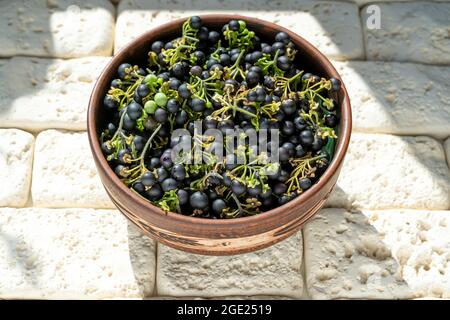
(205, 236)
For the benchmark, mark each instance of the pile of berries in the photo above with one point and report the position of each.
(228, 79)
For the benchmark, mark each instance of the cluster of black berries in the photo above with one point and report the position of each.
(229, 79)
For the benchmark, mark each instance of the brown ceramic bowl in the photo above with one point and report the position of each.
(205, 236)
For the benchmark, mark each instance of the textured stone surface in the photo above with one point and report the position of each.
(399, 98)
(271, 271)
(73, 253)
(447, 150)
(16, 160)
(363, 2)
(64, 173)
(384, 171)
(378, 254)
(414, 31)
(36, 94)
(334, 28)
(56, 28)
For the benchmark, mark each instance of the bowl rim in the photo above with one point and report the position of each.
(340, 151)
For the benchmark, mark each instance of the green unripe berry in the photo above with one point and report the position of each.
(242, 25)
(160, 99)
(150, 107)
(150, 79)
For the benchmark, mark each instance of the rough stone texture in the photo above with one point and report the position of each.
(384, 171)
(64, 173)
(399, 98)
(378, 254)
(447, 150)
(73, 253)
(16, 160)
(56, 28)
(363, 2)
(36, 94)
(271, 271)
(334, 28)
(415, 31)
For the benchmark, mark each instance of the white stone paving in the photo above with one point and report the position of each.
(333, 27)
(56, 28)
(37, 94)
(73, 253)
(413, 31)
(390, 254)
(398, 160)
(64, 172)
(447, 150)
(385, 171)
(272, 271)
(16, 159)
(398, 98)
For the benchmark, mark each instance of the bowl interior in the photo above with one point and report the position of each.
(308, 58)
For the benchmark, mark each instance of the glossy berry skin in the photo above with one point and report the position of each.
(153, 163)
(128, 123)
(183, 197)
(218, 206)
(143, 90)
(283, 154)
(317, 144)
(288, 106)
(166, 159)
(172, 106)
(200, 57)
(124, 156)
(335, 84)
(282, 37)
(134, 110)
(299, 151)
(284, 63)
(160, 99)
(139, 143)
(150, 107)
(148, 179)
(331, 120)
(178, 172)
(122, 70)
(252, 78)
(305, 183)
(213, 37)
(169, 184)
(195, 22)
(300, 123)
(238, 187)
(254, 191)
(199, 200)
(110, 104)
(288, 128)
(226, 180)
(198, 105)
(121, 171)
(157, 46)
(161, 115)
(138, 187)
(162, 174)
(306, 137)
(155, 193)
(107, 150)
(183, 91)
(234, 25)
